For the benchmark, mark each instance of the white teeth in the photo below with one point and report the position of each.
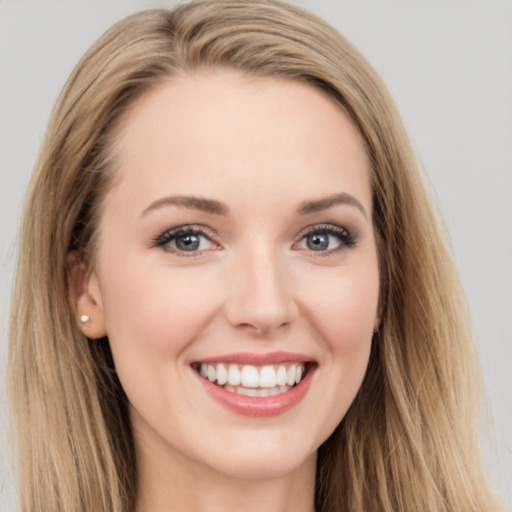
(267, 377)
(298, 374)
(248, 391)
(281, 376)
(290, 376)
(234, 377)
(260, 392)
(212, 374)
(222, 374)
(250, 376)
(269, 391)
(266, 380)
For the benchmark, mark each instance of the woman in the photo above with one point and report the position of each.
(232, 290)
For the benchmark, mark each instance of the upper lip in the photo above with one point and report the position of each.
(246, 358)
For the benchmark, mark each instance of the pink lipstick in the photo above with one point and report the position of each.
(259, 385)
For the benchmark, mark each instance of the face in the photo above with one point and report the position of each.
(236, 275)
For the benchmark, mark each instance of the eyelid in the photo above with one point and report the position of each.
(322, 227)
(168, 235)
(346, 236)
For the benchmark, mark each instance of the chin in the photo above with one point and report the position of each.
(265, 464)
(258, 454)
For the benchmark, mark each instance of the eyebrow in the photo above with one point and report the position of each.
(324, 203)
(217, 208)
(191, 203)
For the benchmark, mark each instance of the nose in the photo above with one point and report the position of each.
(261, 295)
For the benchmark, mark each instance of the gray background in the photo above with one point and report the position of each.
(448, 64)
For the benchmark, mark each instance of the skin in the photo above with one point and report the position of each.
(262, 147)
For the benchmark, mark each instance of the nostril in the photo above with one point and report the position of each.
(261, 328)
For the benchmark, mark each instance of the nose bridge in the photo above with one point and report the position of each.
(261, 297)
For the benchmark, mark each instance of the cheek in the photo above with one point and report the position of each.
(344, 307)
(155, 312)
(345, 325)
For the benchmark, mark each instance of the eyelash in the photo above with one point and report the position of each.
(172, 234)
(346, 238)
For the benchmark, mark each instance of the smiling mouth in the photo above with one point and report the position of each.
(252, 380)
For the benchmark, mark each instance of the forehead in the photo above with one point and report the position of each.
(215, 130)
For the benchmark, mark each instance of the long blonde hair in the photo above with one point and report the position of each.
(410, 440)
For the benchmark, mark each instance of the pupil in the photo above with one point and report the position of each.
(187, 242)
(318, 242)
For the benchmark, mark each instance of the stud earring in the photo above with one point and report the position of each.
(84, 319)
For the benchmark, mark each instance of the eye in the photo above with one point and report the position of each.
(320, 241)
(325, 238)
(185, 239)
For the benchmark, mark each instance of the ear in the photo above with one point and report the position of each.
(85, 297)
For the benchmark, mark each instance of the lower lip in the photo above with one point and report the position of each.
(258, 406)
